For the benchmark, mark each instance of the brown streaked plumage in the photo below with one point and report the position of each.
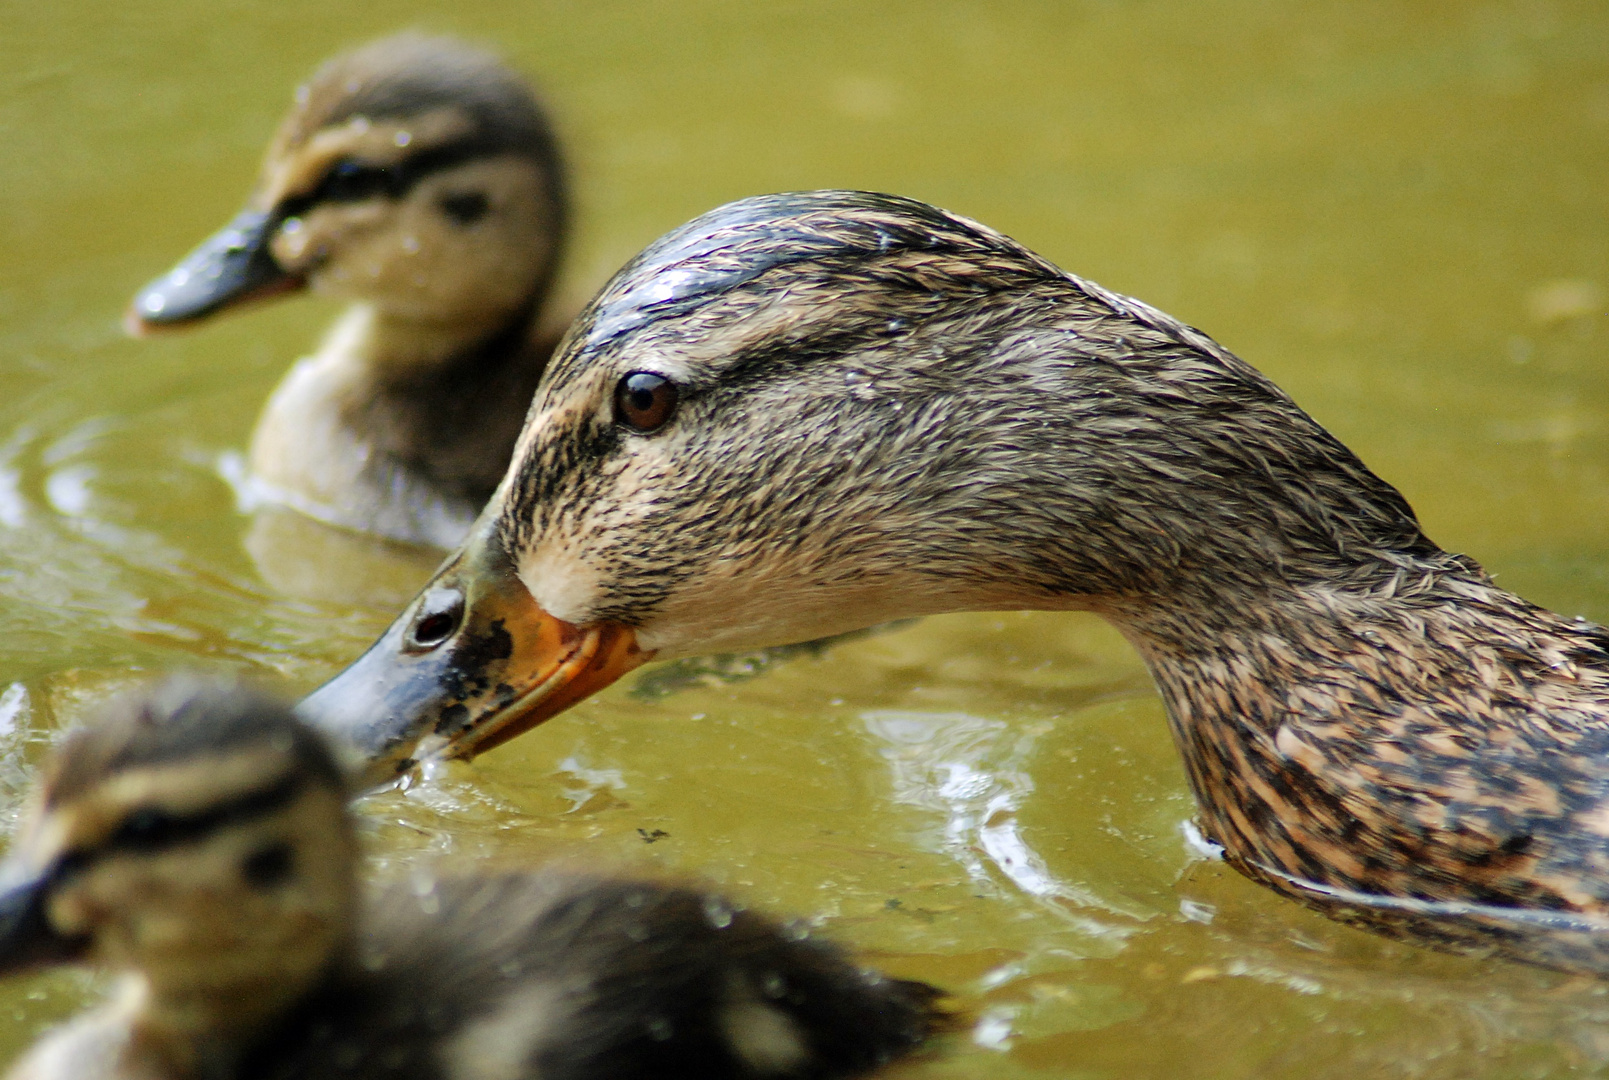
(197, 842)
(420, 179)
(886, 410)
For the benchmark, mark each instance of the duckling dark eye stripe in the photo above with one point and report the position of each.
(150, 828)
(393, 181)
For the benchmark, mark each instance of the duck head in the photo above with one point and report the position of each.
(808, 413)
(197, 836)
(415, 174)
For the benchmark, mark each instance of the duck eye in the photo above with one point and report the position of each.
(644, 401)
(465, 207)
(437, 619)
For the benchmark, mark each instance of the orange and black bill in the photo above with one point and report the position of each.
(230, 267)
(470, 664)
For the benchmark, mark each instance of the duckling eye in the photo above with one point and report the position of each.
(437, 619)
(268, 866)
(145, 828)
(351, 181)
(465, 207)
(644, 401)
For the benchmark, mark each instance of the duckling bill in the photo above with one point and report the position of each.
(196, 841)
(419, 179)
(226, 270)
(802, 414)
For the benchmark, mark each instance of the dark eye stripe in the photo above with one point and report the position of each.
(352, 180)
(151, 828)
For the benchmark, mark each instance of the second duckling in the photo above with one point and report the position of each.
(197, 840)
(420, 179)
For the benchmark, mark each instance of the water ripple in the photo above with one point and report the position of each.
(972, 771)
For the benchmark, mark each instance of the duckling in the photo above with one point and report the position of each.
(805, 413)
(420, 179)
(197, 840)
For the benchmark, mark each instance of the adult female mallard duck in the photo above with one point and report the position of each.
(420, 179)
(805, 413)
(197, 840)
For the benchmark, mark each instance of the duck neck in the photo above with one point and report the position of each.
(1309, 716)
(448, 402)
(197, 1016)
(200, 1031)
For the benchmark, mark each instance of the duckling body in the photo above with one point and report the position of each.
(197, 841)
(408, 454)
(801, 414)
(419, 179)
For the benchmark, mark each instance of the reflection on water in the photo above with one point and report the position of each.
(312, 561)
(971, 772)
(1397, 211)
(588, 786)
(305, 558)
(15, 730)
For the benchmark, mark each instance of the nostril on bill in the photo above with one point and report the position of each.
(440, 612)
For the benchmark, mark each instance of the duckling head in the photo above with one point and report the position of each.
(196, 837)
(804, 414)
(415, 174)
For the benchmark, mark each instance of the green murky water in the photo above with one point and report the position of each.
(1398, 211)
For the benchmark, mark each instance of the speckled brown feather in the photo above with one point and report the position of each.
(890, 411)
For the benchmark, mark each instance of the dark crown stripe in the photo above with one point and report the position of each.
(736, 243)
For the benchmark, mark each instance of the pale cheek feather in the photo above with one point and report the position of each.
(559, 581)
(555, 569)
(729, 607)
(776, 599)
